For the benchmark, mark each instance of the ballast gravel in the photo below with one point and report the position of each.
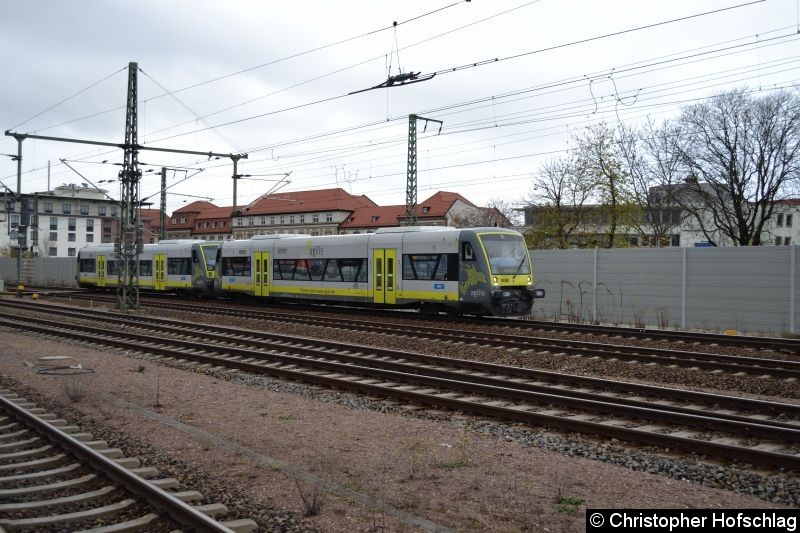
(461, 472)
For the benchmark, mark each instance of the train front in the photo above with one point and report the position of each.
(499, 278)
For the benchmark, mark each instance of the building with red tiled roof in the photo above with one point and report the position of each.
(181, 223)
(213, 224)
(441, 209)
(312, 212)
(151, 222)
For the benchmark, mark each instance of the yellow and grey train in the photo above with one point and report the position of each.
(169, 266)
(481, 271)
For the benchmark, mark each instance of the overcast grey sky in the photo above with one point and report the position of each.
(501, 119)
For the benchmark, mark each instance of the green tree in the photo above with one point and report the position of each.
(600, 163)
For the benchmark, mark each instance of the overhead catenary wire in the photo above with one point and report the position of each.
(454, 132)
(562, 82)
(255, 67)
(67, 99)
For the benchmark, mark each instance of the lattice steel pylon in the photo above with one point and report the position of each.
(129, 238)
(411, 172)
(411, 167)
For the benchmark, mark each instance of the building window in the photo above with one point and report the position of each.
(113, 210)
(84, 209)
(14, 221)
(66, 208)
(48, 207)
(183, 220)
(250, 221)
(10, 206)
(197, 225)
(788, 221)
(71, 224)
(780, 220)
(239, 222)
(53, 236)
(52, 251)
(101, 210)
(328, 217)
(222, 224)
(53, 223)
(302, 219)
(778, 241)
(291, 219)
(675, 240)
(71, 252)
(282, 220)
(263, 221)
(315, 218)
(426, 209)
(71, 237)
(89, 225)
(90, 237)
(787, 240)
(174, 220)
(213, 225)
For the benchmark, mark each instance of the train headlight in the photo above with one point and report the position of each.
(529, 280)
(494, 280)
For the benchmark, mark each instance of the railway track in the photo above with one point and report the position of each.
(758, 366)
(751, 431)
(54, 477)
(528, 326)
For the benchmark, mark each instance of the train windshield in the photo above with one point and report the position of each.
(507, 253)
(210, 255)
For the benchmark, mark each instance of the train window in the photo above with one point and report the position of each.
(283, 268)
(301, 270)
(425, 267)
(353, 270)
(87, 265)
(390, 273)
(145, 268)
(111, 268)
(316, 267)
(467, 253)
(195, 259)
(236, 266)
(179, 266)
(332, 272)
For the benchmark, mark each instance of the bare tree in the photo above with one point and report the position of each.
(653, 157)
(558, 204)
(743, 152)
(498, 213)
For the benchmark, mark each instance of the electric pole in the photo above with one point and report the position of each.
(411, 167)
(129, 239)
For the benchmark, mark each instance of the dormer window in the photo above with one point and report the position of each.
(426, 209)
(375, 218)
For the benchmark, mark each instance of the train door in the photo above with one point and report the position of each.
(101, 271)
(160, 279)
(383, 276)
(261, 273)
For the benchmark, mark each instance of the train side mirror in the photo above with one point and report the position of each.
(538, 293)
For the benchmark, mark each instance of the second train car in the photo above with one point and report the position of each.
(480, 271)
(172, 265)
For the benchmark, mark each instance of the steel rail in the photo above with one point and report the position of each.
(259, 338)
(729, 363)
(333, 378)
(179, 511)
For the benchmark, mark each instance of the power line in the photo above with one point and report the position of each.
(69, 98)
